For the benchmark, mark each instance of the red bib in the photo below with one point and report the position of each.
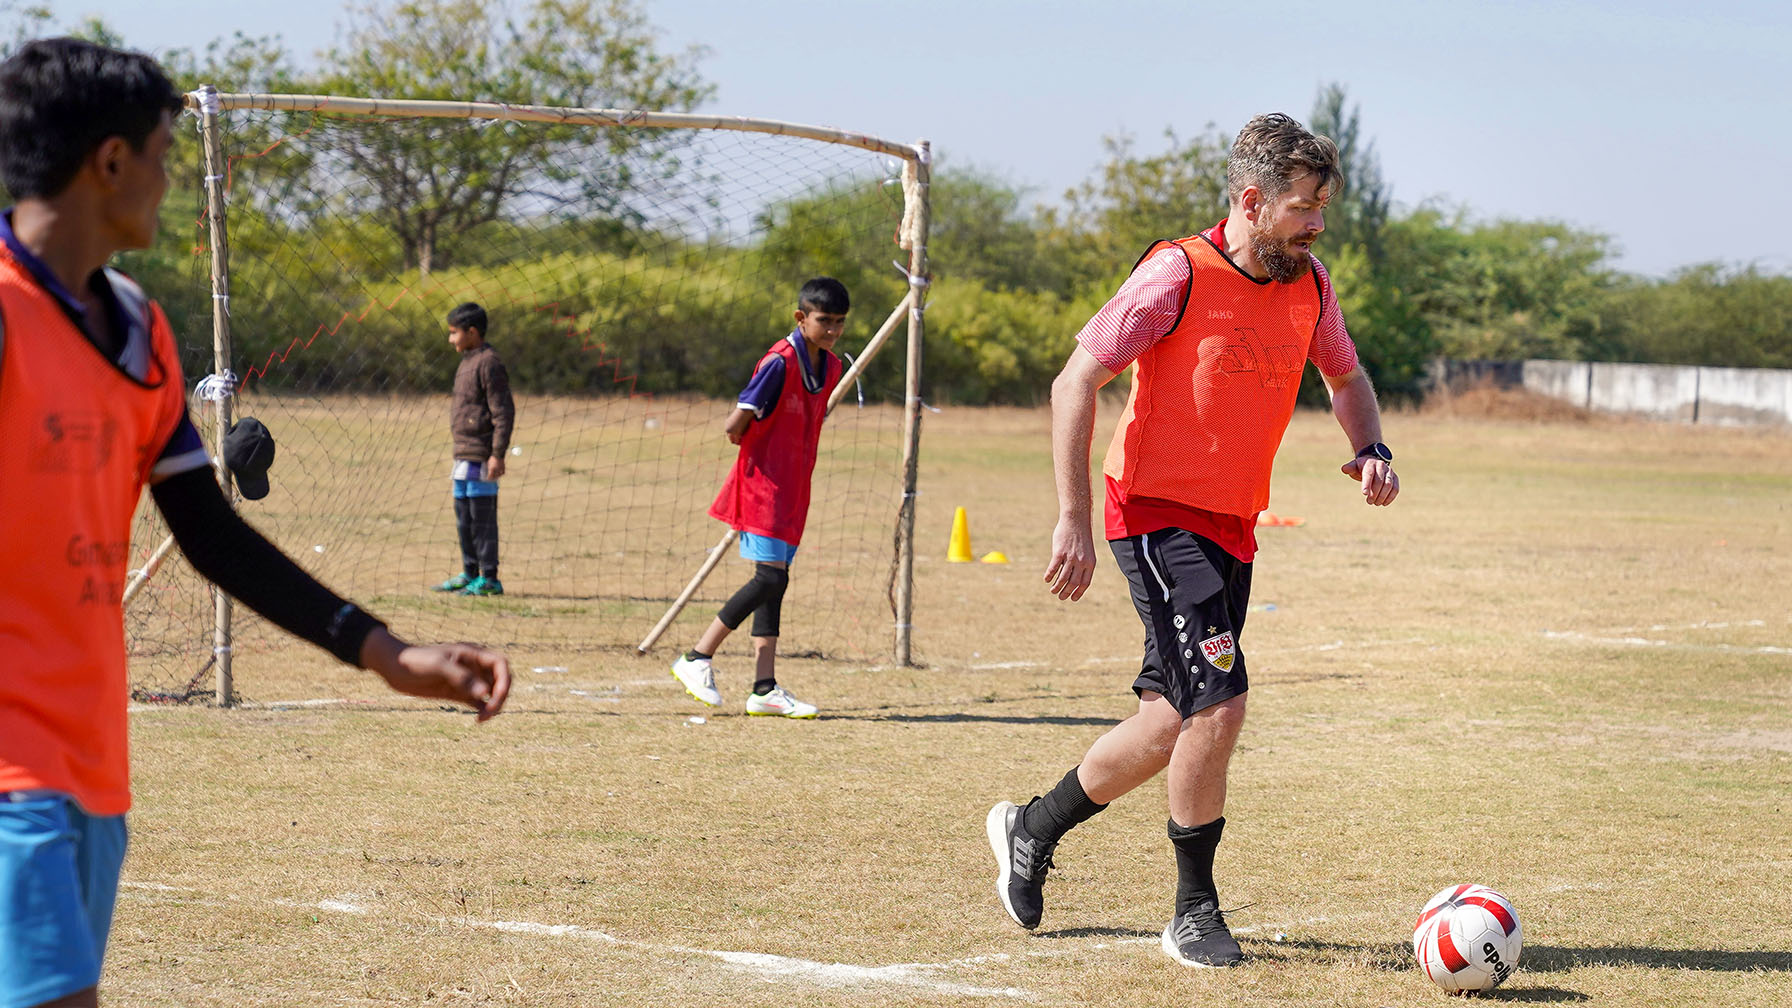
(767, 492)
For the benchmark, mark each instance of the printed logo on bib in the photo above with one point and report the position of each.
(1219, 651)
(73, 441)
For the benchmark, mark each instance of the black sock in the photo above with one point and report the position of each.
(763, 686)
(694, 654)
(1194, 864)
(1065, 805)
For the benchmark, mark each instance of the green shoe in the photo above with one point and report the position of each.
(483, 585)
(455, 583)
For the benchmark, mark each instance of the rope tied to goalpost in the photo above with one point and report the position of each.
(207, 99)
(216, 387)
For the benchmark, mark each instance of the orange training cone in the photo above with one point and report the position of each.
(959, 549)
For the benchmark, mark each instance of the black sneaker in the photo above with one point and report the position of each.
(1200, 938)
(1022, 862)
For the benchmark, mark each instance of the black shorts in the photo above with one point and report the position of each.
(1192, 597)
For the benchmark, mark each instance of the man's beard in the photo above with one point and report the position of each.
(1281, 263)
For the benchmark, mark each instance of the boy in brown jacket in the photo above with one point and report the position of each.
(481, 417)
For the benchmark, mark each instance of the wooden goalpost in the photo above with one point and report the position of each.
(210, 105)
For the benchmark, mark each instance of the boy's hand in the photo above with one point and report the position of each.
(464, 673)
(737, 425)
(494, 467)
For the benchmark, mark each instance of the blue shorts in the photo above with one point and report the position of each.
(58, 880)
(467, 482)
(765, 549)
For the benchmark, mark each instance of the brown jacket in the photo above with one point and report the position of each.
(481, 415)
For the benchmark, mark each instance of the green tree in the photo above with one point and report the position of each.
(1393, 338)
(1110, 220)
(980, 231)
(1709, 314)
(846, 231)
(434, 182)
(1359, 212)
(24, 22)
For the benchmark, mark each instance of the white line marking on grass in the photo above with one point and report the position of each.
(841, 975)
(143, 708)
(545, 930)
(341, 906)
(771, 968)
(605, 697)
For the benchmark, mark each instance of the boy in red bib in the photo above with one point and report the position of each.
(777, 423)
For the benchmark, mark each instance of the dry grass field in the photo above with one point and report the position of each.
(1560, 665)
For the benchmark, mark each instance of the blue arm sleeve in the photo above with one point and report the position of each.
(761, 394)
(184, 451)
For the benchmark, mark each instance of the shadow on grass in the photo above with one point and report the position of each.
(1542, 958)
(1036, 719)
(1551, 959)
(1097, 932)
(1537, 960)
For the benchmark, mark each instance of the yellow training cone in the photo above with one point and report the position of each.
(995, 556)
(959, 549)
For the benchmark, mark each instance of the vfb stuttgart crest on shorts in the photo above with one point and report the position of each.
(1219, 651)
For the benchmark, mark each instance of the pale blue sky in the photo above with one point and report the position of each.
(1665, 124)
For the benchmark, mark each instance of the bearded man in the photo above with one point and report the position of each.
(1220, 325)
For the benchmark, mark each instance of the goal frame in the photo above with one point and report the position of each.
(210, 104)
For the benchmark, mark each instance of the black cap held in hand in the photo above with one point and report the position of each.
(248, 451)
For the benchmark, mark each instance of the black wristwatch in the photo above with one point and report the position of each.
(1376, 449)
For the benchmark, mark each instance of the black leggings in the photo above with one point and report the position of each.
(477, 520)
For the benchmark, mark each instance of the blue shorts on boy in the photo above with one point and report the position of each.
(467, 482)
(59, 872)
(765, 549)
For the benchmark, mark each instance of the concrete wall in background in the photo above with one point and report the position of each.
(1706, 395)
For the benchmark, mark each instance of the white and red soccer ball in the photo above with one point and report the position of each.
(1467, 939)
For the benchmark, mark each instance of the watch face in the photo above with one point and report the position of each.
(1377, 450)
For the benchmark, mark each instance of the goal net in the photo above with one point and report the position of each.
(634, 268)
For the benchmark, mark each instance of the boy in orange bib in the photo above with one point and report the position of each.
(92, 410)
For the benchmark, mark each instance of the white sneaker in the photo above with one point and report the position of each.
(698, 678)
(779, 703)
